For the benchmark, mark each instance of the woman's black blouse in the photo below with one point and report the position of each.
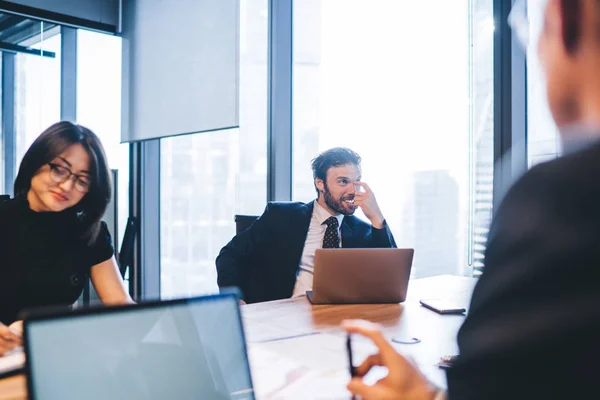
(44, 260)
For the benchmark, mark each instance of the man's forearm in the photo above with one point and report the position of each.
(382, 237)
(377, 221)
(228, 273)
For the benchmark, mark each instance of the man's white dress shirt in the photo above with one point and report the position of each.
(314, 241)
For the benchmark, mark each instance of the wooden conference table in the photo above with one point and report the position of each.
(297, 350)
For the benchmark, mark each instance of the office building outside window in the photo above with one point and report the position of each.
(99, 107)
(207, 178)
(409, 86)
(37, 87)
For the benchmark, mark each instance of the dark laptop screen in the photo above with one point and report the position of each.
(185, 349)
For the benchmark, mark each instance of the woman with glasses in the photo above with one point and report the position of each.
(51, 234)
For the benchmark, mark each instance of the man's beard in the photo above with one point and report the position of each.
(339, 206)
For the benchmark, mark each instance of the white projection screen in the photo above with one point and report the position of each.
(180, 67)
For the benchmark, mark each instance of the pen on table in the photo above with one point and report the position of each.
(288, 337)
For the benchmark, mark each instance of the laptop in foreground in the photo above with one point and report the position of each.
(357, 276)
(178, 349)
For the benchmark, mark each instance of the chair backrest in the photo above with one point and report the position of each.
(243, 222)
(127, 246)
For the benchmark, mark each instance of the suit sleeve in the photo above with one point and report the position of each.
(382, 237)
(234, 259)
(533, 306)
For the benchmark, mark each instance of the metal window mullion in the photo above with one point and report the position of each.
(510, 105)
(279, 124)
(8, 121)
(68, 74)
(144, 277)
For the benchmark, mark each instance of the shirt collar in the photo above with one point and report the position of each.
(322, 214)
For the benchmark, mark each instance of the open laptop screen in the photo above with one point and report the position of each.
(180, 349)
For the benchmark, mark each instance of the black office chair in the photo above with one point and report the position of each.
(243, 222)
(127, 246)
(124, 256)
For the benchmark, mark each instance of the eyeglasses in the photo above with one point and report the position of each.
(60, 174)
(526, 20)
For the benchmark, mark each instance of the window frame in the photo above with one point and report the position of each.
(510, 131)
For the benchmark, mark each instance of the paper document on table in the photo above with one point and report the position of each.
(12, 362)
(281, 371)
(271, 372)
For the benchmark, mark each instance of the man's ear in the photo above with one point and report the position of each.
(320, 184)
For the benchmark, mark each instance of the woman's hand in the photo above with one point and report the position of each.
(108, 283)
(9, 338)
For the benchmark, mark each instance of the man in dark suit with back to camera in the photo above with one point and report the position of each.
(533, 328)
(274, 258)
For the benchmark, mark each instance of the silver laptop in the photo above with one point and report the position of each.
(179, 349)
(354, 276)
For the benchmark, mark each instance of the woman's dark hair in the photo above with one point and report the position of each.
(49, 145)
(335, 157)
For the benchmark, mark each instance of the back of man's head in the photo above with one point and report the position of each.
(569, 51)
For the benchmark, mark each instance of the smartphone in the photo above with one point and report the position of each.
(350, 361)
(442, 306)
(349, 351)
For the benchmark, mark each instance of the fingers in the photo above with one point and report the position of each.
(5, 347)
(370, 362)
(363, 185)
(9, 335)
(358, 388)
(17, 327)
(360, 199)
(361, 196)
(368, 204)
(373, 332)
(9, 339)
(365, 198)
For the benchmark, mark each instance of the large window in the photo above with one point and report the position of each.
(207, 178)
(99, 107)
(409, 86)
(37, 87)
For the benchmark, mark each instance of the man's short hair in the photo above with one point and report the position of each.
(332, 158)
(573, 16)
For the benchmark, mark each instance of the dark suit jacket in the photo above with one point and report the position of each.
(533, 329)
(264, 259)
